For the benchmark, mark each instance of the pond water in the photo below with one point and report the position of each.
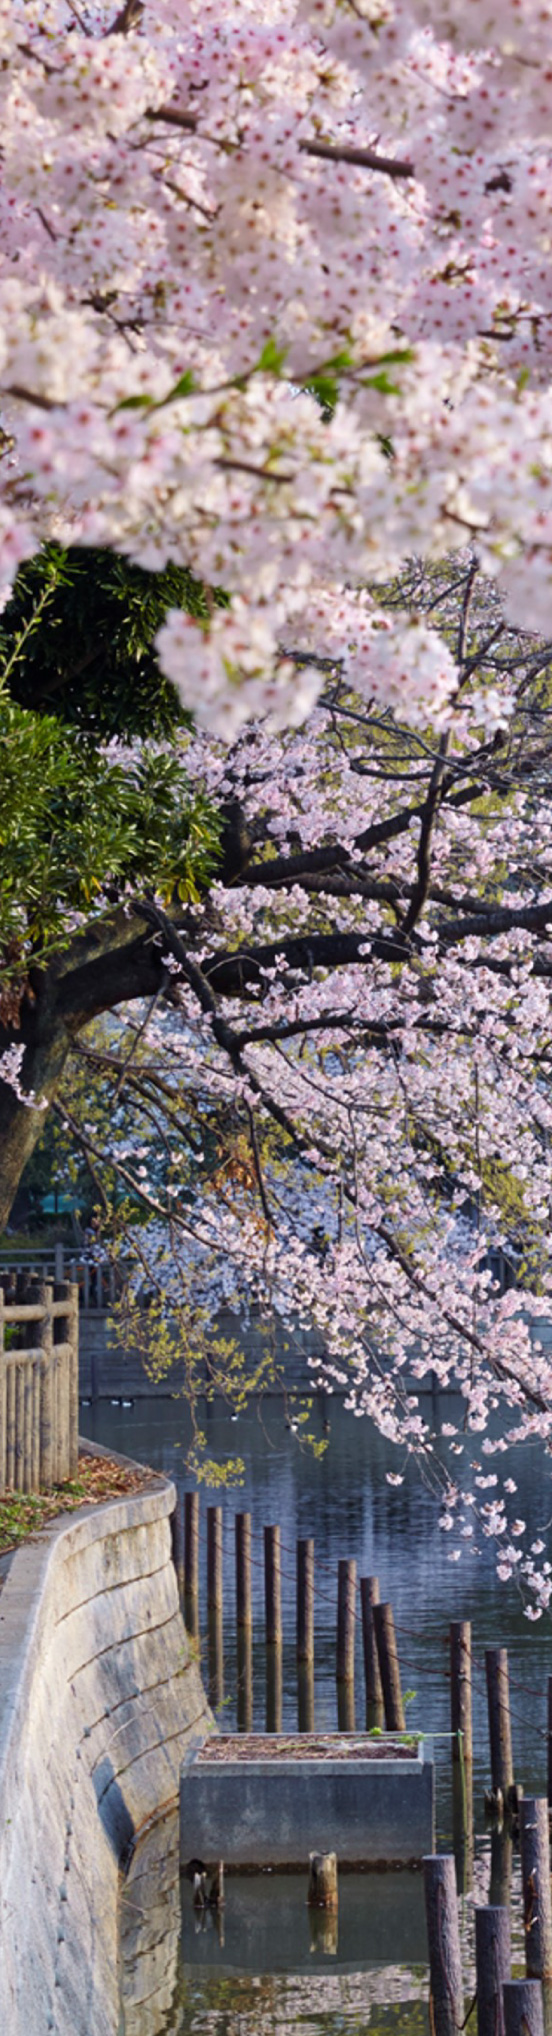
(266, 1975)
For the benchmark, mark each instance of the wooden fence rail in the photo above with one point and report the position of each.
(39, 1383)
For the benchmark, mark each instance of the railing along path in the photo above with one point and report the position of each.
(39, 1383)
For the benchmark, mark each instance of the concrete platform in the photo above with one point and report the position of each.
(265, 1803)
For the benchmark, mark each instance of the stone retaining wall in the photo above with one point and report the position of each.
(99, 1702)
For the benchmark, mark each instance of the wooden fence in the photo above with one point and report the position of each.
(39, 1383)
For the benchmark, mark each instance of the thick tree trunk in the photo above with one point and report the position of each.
(109, 965)
(21, 1124)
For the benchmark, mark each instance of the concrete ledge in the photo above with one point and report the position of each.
(99, 1703)
(253, 1812)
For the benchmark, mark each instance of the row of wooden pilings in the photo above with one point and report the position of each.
(382, 1678)
(505, 2007)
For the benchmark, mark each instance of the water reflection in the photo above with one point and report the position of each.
(344, 1502)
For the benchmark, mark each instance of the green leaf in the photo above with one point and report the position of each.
(272, 358)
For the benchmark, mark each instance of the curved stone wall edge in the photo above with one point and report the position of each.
(100, 1701)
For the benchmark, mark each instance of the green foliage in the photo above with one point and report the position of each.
(77, 636)
(78, 828)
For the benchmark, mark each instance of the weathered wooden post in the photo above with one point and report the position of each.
(177, 1540)
(549, 1729)
(535, 1871)
(384, 1626)
(244, 1705)
(370, 1596)
(445, 1964)
(215, 1656)
(273, 1628)
(48, 1451)
(503, 1792)
(523, 2008)
(215, 1645)
(273, 1587)
(191, 1563)
(305, 1601)
(346, 1606)
(493, 1958)
(214, 1559)
(305, 1696)
(502, 1852)
(243, 1570)
(322, 1889)
(73, 1340)
(461, 1693)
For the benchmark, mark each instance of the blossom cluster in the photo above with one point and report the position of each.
(243, 328)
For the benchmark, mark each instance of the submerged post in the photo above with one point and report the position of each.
(493, 1956)
(322, 1889)
(445, 1964)
(503, 1794)
(535, 1871)
(389, 1667)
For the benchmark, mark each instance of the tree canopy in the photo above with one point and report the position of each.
(321, 1087)
(275, 298)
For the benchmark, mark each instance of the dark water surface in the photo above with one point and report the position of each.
(267, 1976)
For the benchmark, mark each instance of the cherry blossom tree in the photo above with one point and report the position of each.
(327, 1091)
(275, 305)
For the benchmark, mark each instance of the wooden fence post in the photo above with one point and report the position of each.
(523, 2008)
(3, 1477)
(445, 1964)
(243, 1569)
(370, 1596)
(305, 1601)
(493, 1956)
(47, 1395)
(346, 1607)
(273, 1587)
(503, 1792)
(191, 1563)
(535, 1871)
(214, 1559)
(461, 1691)
(389, 1667)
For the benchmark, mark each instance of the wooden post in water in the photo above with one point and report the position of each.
(273, 1628)
(493, 1957)
(322, 1889)
(523, 2008)
(244, 1705)
(305, 1696)
(191, 1563)
(461, 1692)
(502, 1852)
(177, 1541)
(445, 1964)
(243, 1569)
(370, 1596)
(389, 1667)
(549, 1726)
(305, 1601)
(273, 1587)
(503, 1792)
(346, 1606)
(535, 1871)
(214, 1558)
